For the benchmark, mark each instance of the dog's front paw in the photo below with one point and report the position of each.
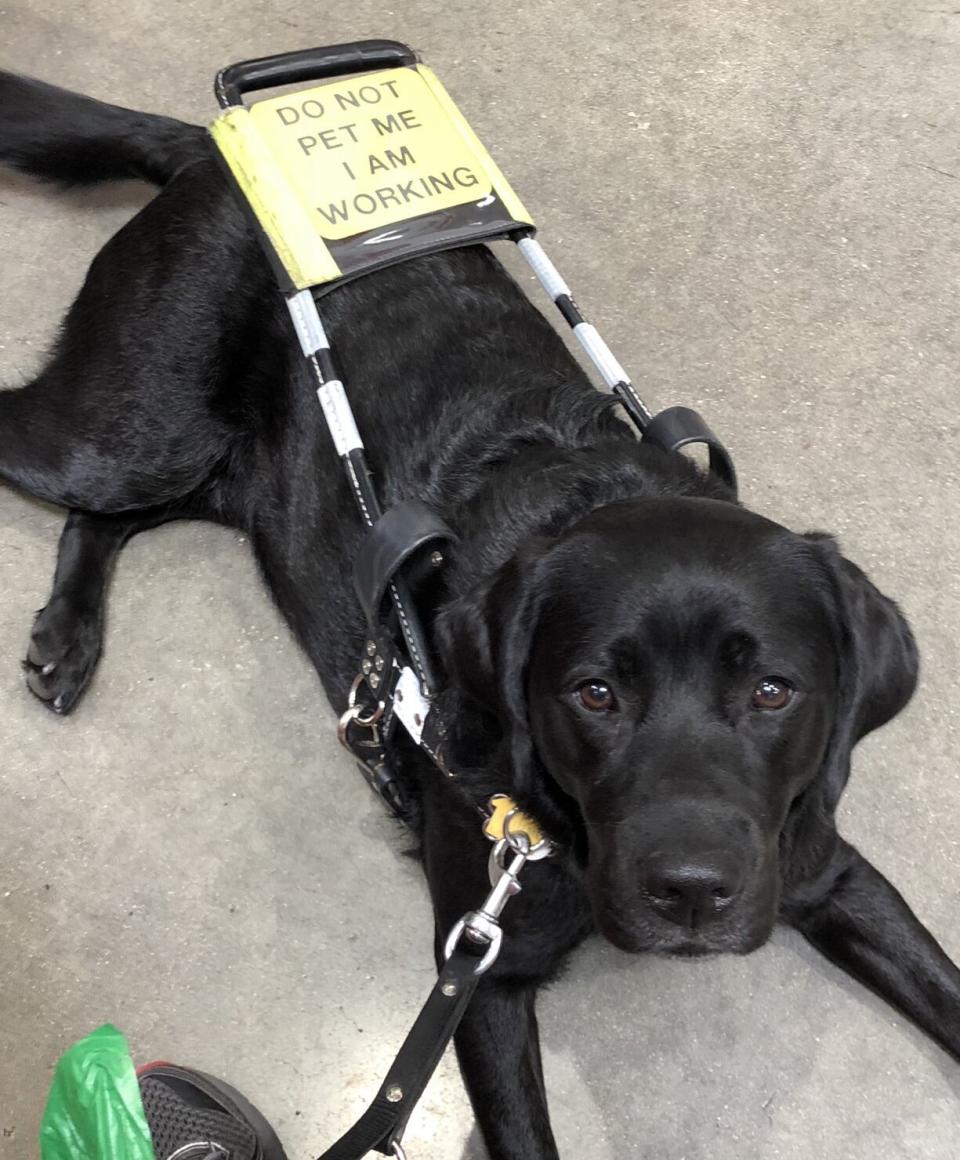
(64, 649)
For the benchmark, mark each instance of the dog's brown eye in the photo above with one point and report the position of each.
(597, 696)
(771, 693)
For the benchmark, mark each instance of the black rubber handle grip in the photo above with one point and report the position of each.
(308, 64)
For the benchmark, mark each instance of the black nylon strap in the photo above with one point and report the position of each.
(677, 427)
(385, 1119)
(397, 535)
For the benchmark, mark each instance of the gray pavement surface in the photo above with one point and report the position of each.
(758, 203)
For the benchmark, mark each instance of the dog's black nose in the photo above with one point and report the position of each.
(691, 892)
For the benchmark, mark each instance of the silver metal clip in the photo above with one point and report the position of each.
(483, 925)
(354, 715)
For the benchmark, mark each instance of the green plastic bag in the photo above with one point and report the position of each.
(94, 1110)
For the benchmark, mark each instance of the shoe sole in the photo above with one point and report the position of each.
(232, 1102)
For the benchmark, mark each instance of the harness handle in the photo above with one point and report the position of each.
(308, 64)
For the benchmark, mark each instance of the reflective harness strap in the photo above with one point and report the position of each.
(602, 357)
(671, 429)
(349, 446)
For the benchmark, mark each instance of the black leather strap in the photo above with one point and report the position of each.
(677, 427)
(397, 535)
(385, 1119)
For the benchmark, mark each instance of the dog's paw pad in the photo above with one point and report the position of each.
(64, 649)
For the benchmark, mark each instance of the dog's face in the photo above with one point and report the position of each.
(682, 684)
(681, 674)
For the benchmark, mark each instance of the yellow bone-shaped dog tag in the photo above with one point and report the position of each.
(501, 807)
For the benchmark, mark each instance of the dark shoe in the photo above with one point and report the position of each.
(193, 1116)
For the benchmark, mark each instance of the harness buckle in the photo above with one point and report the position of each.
(369, 750)
(354, 715)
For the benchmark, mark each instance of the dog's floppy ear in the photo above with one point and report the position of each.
(878, 663)
(485, 638)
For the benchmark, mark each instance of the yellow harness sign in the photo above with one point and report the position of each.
(329, 170)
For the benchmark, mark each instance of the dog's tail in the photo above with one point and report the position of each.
(61, 136)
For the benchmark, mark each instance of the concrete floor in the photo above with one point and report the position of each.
(758, 203)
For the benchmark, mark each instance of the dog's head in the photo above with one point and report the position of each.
(679, 677)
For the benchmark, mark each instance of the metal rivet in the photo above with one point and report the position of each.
(394, 1093)
(371, 648)
(449, 989)
(366, 666)
(436, 559)
(379, 662)
(374, 680)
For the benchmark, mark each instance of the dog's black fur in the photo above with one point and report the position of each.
(691, 811)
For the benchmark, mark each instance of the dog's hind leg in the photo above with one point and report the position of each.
(66, 640)
(148, 388)
(36, 442)
(82, 441)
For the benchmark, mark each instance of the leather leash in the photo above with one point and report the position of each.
(471, 950)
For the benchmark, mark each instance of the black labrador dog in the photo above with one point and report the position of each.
(669, 683)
